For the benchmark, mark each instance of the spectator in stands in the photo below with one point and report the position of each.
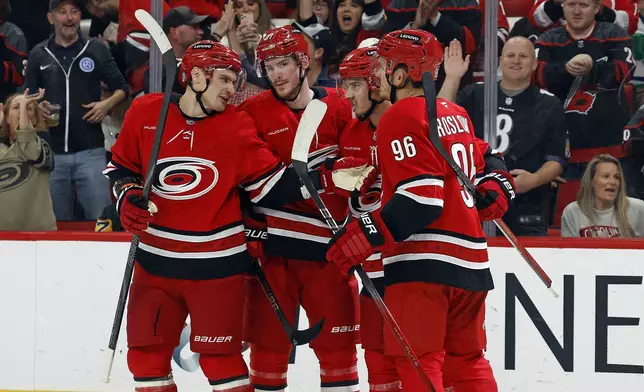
(322, 11)
(13, 53)
(503, 27)
(602, 208)
(585, 64)
(354, 21)
(446, 19)
(31, 17)
(531, 129)
(547, 14)
(183, 28)
(71, 70)
(252, 19)
(523, 28)
(26, 160)
(200, 7)
(638, 52)
(321, 50)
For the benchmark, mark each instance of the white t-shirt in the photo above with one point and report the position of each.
(575, 224)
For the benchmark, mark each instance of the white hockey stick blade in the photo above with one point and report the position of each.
(309, 123)
(554, 291)
(156, 32)
(109, 360)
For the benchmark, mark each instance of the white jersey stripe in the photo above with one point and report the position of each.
(269, 185)
(298, 235)
(192, 255)
(430, 201)
(290, 216)
(447, 239)
(423, 182)
(197, 239)
(431, 257)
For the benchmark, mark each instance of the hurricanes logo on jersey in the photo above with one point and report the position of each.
(184, 178)
(370, 201)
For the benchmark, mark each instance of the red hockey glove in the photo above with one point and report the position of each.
(134, 213)
(494, 192)
(345, 175)
(357, 240)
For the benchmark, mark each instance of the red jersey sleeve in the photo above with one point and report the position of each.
(126, 152)
(259, 168)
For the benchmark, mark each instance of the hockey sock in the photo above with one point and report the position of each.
(431, 362)
(383, 376)
(268, 368)
(469, 373)
(158, 384)
(338, 370)
(226, 373)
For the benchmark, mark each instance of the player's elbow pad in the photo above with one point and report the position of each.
(286, 191)
(405, 217)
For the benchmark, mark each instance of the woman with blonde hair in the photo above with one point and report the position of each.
(602, 208)
(26, 160)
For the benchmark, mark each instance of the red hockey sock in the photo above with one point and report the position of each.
(383, 376)
(338, 370)
(268, 368)
(432, 364)
(469, 372)
(226, 373)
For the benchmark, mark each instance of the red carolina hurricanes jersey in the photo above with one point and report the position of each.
(358, 139)
(297, 230)
(452, 250)
(128, 22)
(198, 231)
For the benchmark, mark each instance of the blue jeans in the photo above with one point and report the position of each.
(82, 171)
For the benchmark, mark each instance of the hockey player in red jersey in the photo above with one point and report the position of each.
(192, 255)
(428, 230)
(297, 239)
(359, 140)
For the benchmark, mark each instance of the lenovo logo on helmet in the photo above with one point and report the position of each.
(202, 46)
(409, 37)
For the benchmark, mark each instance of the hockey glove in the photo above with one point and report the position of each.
(134, 213)
(358, 240)
(493, 194)
(342, 176)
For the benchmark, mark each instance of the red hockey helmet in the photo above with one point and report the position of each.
(209, 55)
(281, 42)
(419, 50)
(358, 64)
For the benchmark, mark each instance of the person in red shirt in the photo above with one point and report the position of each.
(428, 229)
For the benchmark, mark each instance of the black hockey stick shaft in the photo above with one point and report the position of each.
(302, 171)
(296, 337)
(429, 88)
(170, 64)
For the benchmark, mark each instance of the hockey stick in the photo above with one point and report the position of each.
(169, 59)
(430, 100)
(573, 90)
(297, 337)
(309, 123)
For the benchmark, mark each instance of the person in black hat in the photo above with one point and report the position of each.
(183, 28)
(321, 51)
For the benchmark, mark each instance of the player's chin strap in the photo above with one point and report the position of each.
(198, 95)
(393, 89)
(369, 112)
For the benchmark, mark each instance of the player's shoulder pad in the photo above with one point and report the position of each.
(256, 102)
(146, 102)
(451, 106)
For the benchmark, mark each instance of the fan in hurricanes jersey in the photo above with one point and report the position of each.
(358, 139)
(295, 248)
(531, 130)
(192, 247)
(546, 14)
(600, 55)
(428, 231)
